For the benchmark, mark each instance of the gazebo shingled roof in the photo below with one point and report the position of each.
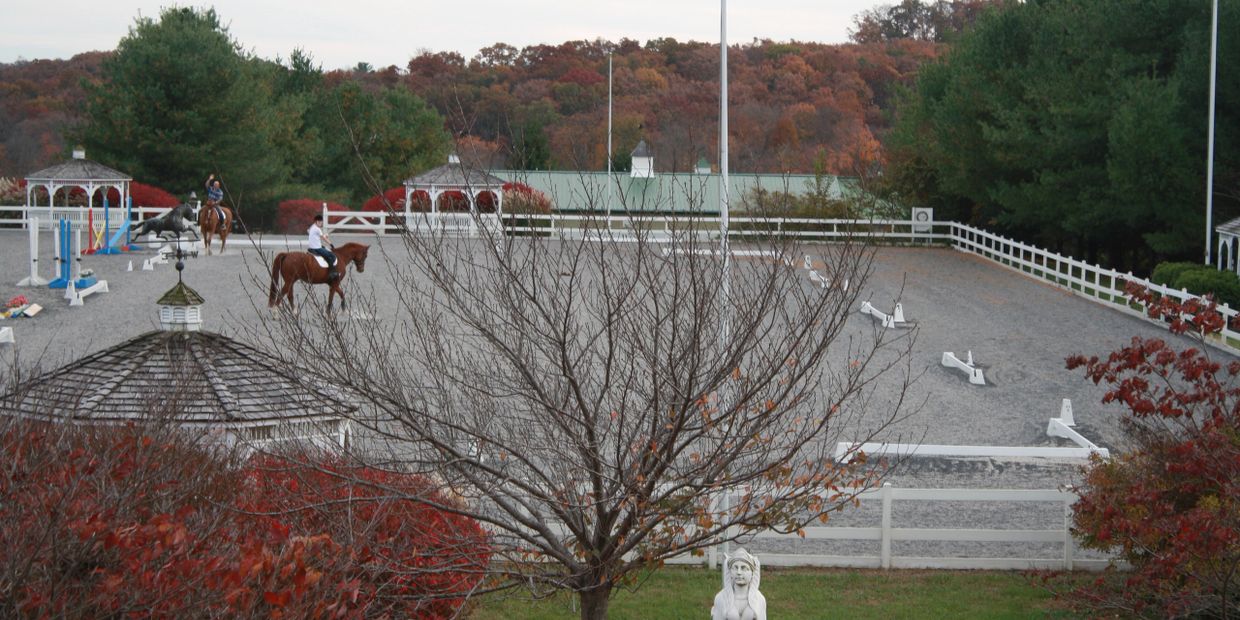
(453, 175)
(207, 379)
(78, 170)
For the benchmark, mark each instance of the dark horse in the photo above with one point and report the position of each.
(211, 222)
(173, 221)
(294, 266)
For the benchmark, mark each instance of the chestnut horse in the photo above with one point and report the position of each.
(294, 266)
(209, 223)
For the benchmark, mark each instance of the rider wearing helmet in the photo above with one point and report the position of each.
(315, 246)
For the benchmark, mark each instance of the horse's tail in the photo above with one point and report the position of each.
(276, 265)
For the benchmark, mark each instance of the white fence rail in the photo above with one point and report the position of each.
(883, 534)
(17, 216)
(1105, 286)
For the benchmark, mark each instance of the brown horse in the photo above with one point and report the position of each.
(209, 223)
(294, 266)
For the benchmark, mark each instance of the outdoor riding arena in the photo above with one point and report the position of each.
(1018, 327)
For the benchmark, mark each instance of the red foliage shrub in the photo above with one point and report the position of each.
(295, 216)
(1170, 506)
(134, 523)
(145, 196)
(396, 198)
(453, 200)
(395, 201)
(521, 198)
(402, 550)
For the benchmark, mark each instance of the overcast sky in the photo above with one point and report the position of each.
(341, 33)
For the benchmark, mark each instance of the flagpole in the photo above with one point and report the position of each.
(723, 158)
(610, 181)
(1210, 138)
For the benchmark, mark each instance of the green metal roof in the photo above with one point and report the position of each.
(665, 192)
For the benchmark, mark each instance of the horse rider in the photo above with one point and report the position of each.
(317, 237)
(215, 198)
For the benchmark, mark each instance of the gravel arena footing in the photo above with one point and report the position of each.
(1019, 330)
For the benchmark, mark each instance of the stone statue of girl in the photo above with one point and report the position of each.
(740, 599)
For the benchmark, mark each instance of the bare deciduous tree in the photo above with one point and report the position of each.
(603, 405)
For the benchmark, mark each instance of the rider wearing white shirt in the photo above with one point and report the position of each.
(315, 246)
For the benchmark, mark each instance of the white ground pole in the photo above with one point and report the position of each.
(33, 279)
(975, 374)
(1060, 424)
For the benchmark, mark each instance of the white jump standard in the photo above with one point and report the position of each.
(975, 374)
(32, 224)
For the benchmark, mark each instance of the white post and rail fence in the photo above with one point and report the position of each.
(879, 545)
(1105, 286)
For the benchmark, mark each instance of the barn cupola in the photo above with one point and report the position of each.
(643, 162)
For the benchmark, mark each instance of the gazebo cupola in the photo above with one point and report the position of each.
(180, 309)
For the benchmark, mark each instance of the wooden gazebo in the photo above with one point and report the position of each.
(79, 172)
(454, 177)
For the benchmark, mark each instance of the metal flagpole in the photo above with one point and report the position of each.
(1210, 138)
(725, 284)
(723, 159)
(610, 181)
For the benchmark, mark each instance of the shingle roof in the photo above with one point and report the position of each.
(181, 295)
(642, 150)
(78, 170)
(1231, 227)
(200, 378)
(454, 174)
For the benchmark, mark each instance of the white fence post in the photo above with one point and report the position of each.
(1068, 543)
(885, 551)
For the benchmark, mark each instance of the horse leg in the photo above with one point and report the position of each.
(223, 241)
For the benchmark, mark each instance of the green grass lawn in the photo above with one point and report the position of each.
(812, 593)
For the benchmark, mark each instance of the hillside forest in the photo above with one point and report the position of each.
(1075, 124)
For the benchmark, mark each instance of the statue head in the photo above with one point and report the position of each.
(741, 569)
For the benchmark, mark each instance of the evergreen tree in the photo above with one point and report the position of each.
(1078, 124)
(180, 100)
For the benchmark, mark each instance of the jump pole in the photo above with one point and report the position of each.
(107, 247)
(33, 279)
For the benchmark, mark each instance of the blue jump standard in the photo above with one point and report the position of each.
(64, 254)
(114, 245)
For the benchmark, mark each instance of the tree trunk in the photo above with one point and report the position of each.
(594, 602)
